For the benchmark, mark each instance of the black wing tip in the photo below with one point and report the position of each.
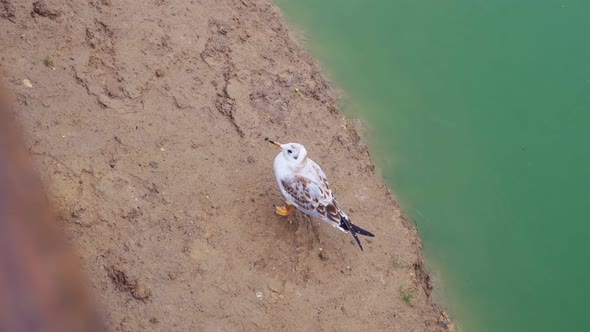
(356, 238)
(347, 225)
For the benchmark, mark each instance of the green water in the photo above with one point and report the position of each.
(480, 119)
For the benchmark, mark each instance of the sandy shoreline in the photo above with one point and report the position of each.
(148, 122)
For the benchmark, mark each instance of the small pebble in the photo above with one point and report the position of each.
(259, 295)
(140, 292)
(153, 164)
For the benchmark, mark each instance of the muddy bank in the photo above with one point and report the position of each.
(148, 119)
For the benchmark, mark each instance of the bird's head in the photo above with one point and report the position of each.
(293, 152)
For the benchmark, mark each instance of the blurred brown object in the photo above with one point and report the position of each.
(41, 285)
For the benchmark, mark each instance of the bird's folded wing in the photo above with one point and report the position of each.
(309, 196)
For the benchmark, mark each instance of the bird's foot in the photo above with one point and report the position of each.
(284, 210)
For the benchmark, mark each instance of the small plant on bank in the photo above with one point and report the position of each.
(48, 61)
(408, 294)
(397, 263)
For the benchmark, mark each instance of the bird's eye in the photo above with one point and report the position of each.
(289, 151)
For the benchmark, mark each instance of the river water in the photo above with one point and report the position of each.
(479, 117)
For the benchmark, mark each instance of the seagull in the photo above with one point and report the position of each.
(305, 186)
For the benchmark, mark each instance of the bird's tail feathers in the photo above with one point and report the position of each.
(347, 225)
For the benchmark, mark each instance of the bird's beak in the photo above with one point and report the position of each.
(275, 144)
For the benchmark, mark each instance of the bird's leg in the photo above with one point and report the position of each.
(284, 210)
